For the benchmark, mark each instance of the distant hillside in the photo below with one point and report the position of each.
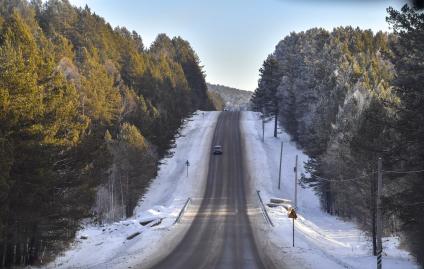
(233, 98)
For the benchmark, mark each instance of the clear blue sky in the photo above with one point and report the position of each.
(233, 37)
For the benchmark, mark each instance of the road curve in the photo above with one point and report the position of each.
(220, 235)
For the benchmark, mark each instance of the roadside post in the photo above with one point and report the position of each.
(291, 213)
(187, 164)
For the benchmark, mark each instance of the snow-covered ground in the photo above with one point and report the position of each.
(321, 240)
(107, 246)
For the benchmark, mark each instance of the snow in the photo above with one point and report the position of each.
(107, 246)
(321, 240)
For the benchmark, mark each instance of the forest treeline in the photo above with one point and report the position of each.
(348, 97)
(232, 98)
(86, 111)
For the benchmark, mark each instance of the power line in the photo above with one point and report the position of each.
(403, 172)
(341, 180)
(367, 175)
(418, 203)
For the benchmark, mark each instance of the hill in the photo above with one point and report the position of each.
(233, 98)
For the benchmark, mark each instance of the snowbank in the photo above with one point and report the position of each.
(321, 240)
(150, 233)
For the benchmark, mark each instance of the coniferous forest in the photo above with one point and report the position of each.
(232, 98)
(347, 97)
(86, 111)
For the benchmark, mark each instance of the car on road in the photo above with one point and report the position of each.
(217, 149)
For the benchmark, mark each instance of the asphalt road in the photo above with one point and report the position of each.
(220, 235)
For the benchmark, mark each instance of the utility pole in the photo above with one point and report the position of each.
(281, 159)
(379, 213)
(295, 185)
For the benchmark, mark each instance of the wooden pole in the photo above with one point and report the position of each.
(281, 160)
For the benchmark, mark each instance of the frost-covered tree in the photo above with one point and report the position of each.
(338, 98)
(266, 98)
(407, 56)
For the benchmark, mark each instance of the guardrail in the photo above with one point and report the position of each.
(264, 211)
(177, 220)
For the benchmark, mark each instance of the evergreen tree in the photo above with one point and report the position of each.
(348, 97)
(408, 55)
(266, 98)
(83, 107)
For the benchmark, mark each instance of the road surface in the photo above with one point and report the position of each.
(220, 235)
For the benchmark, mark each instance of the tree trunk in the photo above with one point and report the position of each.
(275, 124)
(127, 197)
(122, 198)
(3, 260)
(373, 218)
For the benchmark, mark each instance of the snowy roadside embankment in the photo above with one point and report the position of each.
(321, 240)
(150, 232)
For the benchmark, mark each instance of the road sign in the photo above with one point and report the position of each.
(292, 213)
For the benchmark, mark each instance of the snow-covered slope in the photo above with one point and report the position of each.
(321, 240)
(107, 246)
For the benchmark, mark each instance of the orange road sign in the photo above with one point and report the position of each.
(292, 213)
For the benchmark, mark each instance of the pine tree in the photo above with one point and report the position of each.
(266, 97)
(82, 106)
(408, 52)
